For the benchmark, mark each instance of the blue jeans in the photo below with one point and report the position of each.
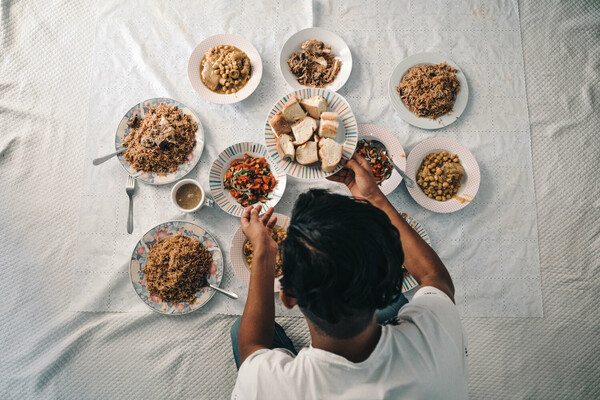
(282, 341)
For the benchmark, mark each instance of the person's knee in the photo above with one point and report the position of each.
(235, 329)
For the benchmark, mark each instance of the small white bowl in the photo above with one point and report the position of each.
(338, 47)
(230, 40)
(203, 202)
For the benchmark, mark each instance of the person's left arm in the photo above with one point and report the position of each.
(258, 319)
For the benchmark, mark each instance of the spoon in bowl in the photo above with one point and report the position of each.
(377, 144)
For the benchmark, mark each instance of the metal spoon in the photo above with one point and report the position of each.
(100, 160)
(225, 292)
(376, 143)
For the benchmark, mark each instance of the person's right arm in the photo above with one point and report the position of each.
(420, 260)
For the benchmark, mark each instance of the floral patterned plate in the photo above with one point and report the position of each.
(150, 177)
(140, 254)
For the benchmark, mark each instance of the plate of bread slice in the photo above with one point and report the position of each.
(309, 131)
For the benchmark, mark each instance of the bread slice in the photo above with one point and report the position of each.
(314, 106)
(329, 125)
(285, 147)
(292, 110)
(303, 130)
(307, 153)
(330, 153)
(279, 125)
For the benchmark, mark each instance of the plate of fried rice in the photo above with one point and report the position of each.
(163, 139)
(171, 265)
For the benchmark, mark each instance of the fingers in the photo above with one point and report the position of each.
(272, 223)
(254, 211)
(246, 216)
(267, 216)
(362, 161)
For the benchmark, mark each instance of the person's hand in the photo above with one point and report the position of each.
(259, 229)
(358, 177)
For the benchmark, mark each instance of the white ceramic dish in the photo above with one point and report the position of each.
(338, 47)
(238, 261)
(469, 184)
(231, 40)
(394, 149)
(347, 134)
(427, 58)
(220, 166)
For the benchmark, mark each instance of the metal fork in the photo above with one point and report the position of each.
(130, 189)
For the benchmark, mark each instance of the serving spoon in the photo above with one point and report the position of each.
(377, 144)
(100, 160)
(225, 292)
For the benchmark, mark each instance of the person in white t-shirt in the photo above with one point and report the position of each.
(342, 266)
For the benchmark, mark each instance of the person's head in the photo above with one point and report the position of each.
(341, 261)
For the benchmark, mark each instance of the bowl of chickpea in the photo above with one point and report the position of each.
(446, 174)
(225, 68)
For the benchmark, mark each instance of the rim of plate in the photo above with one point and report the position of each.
(348, 123)
(238, 261)
(152, 178)
(469, 184)
(394, 148)
(230, 40)
(460, 103)
(338, 47)
(207, 292)
(221, 164)
(409, 283)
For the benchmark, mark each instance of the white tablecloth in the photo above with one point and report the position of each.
(49, 352)
(490, 247)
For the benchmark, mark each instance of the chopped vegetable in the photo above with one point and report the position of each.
(380, 164)
(249, 180)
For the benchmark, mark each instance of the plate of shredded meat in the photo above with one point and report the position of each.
(315, 57)
(428, 90)
(171, 264)
(163, 139)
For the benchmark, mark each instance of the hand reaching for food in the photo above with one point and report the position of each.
(358, 177)
(259, 230)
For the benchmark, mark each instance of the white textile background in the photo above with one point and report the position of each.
(490, 247)
(49, 352)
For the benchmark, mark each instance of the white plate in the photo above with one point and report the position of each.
(347, 134)
(338, 47)
(238, 261)
(140, 255)
(153, 178)
(395, 152)
(231, 40)
(427, 58)
(220, 166)
(469, 184)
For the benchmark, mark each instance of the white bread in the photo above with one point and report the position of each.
(307, 153)
(279, 125)
(330, 153)
(303, 130)
(329, 125)
(314, 106)
(285, 147)
(292, 110)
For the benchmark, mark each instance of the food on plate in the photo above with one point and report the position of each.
(315, 65)
(314, 106)
(279, 235)
(440, 175)
(279, 125)
(330, 153)
(380, 163)
(285, 147)
(329, 125)
(303, 130)
(188, 196)
(225, 69)
(307, 153)
(161, 140)
(429, 90)
(249, 180)
(292, 111)
(176, 268)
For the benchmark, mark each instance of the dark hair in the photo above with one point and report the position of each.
(342, 260)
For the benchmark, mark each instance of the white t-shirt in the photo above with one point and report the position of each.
(423, 357)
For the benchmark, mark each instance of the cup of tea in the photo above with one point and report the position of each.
(189, 196)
